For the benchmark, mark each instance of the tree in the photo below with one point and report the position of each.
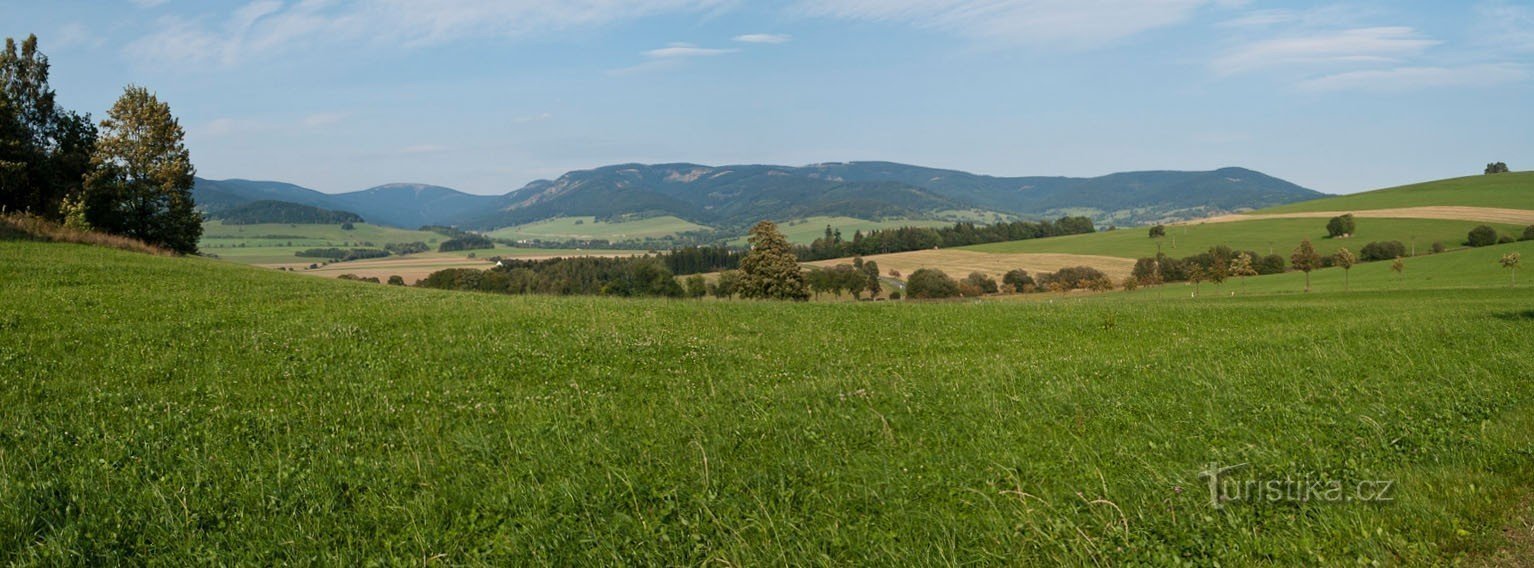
(1496, 168)
(1399, 267)
(931, 283)
(1511, 262)
(1241, 267)
(1345, 259)
(1528, 233)
(771, 271)
(1018, 280)
(1482, 236)
(396, 280)
(140, 184)
(871, 269)
(1196, 275)
(729, 282)
(1305, 260)
(696, 286)
(348, 226)
(44, 150)
(1340, 226)
(1158, 231)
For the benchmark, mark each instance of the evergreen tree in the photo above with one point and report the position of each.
(140, 184)
(771, 270)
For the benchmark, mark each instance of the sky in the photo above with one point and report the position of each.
(487, 95)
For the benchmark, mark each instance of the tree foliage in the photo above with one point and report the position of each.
(771, 270)
(1483, 235)
(1305, 259)
(1496, 168)
(930, 283)
(140, 183)
(45, 150)
(1341, 225)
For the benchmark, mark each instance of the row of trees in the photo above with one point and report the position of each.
(882, 241)
(130, 176)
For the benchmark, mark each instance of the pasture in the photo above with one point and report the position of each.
(188, 410)
(589, 228)
(1509, 190)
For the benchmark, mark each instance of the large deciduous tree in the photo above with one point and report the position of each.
(140, 184)
(771, 271)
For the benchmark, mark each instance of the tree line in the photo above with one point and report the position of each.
(129, 175)
(902, 239)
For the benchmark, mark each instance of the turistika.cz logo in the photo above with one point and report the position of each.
(1225, 487)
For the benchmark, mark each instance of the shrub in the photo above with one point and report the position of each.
(1381, 250)
(1482, 236)
(1340, 225)
(396, 280)
(1504, 239)
(347, 226)
(1528, 233)
(1438, 247)
(1074, 277)
(894, 294)
(1018, 280)
(981, 281)
(931, 283)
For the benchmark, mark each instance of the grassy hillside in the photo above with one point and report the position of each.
(1261, 235)
(1511, 190)
(805, 231)
(565, 228)
(218, 235)
(185, 409)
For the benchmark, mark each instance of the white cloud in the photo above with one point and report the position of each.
(685, 50)
(764, 38)
(1354, 46)
(75, 34)
(1411, 78)
(1070, 24)
(266, 27)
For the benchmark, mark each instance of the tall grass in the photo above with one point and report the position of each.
(28, 226)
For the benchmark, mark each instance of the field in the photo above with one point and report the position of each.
(1278, 236)
(268, 246)
(589, 228)
(1511, 190)
(188, 411)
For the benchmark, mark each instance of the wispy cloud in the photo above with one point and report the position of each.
(1354, 46)
(1068, 24)
(685, 50)
(1412, 78)
(1506, 26)
(266, 27)
(764, 38)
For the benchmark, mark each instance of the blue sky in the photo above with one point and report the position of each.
(486, 95)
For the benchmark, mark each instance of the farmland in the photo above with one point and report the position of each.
(186, 409)
(1509, 190)
(590, 228)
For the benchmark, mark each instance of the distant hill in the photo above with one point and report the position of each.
(732, 197)
(1514, 190)
(273, 211)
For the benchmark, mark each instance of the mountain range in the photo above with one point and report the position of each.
(732, 197)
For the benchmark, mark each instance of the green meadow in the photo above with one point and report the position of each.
(1278, 236)
(193, 411)
(1513, 190)
(805, 231)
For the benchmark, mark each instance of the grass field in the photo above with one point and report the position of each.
(1262, 235)
(805, 231)
(183, 410)
(565, 228)
(959, 263)
(1511, 190)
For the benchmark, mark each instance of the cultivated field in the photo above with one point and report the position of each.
(189, 410)
(589, 228)
(1483, 214)
(805, 231)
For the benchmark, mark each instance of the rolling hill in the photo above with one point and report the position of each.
(733, 197)
(172, 410)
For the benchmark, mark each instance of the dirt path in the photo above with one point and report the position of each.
(1447, 212)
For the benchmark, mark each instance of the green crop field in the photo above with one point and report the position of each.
(217, 235)
(1511, 191)
(184, 410)
(565, 228)
(1279, 236)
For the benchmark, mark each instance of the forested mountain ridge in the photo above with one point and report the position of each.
(738, 195)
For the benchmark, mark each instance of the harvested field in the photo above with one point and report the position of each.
(1445, 212)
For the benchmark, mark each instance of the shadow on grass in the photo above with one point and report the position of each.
(1526, 315)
